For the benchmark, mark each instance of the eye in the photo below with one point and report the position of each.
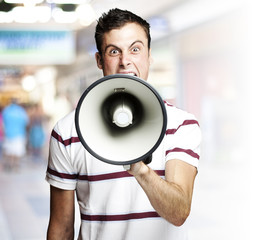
(114, 52)
(135, 49)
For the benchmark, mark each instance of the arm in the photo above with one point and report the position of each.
(171, 197)
(62, 208)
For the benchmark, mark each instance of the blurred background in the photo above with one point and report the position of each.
(202, 62)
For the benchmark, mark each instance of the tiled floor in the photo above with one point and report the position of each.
(221, 209)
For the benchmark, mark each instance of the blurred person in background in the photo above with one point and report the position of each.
(15, 122)
(1, 132)
(36, 133)
(147, 202)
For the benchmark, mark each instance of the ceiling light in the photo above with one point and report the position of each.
(6, 17)
(85, 14)
(31, 14)
(64, 17)
(29, 83)
(24, 1)
(68, 1)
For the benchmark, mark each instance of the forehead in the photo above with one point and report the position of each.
(125, 36)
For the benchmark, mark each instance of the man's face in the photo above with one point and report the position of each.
(125, 51)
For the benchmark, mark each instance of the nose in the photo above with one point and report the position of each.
(125, 60)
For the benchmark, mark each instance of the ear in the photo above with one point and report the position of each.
(151, 60)
(99, 60)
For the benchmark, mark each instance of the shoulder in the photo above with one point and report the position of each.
(177, 116)
(67, 119)
(65, 127)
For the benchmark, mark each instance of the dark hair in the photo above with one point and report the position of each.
(117, 18)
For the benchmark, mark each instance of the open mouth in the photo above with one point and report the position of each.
(131, 74)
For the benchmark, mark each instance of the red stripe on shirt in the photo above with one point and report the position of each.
(62, 175)
(120, 217)
(94, 178)
(109, 176)
(101, 177)
(187, 151)
(168, 104)
(65, 142)
(186, 122)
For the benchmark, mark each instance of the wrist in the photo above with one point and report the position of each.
(143, 169)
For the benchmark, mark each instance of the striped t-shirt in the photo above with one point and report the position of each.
(112, 204)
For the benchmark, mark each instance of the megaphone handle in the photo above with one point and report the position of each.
(148, 160)
(127, 167)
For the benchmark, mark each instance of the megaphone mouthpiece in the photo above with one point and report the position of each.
(122, 116)
(122, 112)
(122, 109)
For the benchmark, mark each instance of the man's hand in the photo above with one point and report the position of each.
(137, 169)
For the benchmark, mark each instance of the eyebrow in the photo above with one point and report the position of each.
(114, 46)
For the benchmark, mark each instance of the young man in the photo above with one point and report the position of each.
(147, 202)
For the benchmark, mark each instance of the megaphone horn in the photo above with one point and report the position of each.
(120, 119)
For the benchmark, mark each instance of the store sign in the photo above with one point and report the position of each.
(36, 47)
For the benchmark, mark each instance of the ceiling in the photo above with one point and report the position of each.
(166, 17)
(20, 13)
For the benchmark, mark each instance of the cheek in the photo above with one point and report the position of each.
(143, 66)
(110, 64)
(144, 63)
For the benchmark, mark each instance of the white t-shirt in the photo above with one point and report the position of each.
(113, 206)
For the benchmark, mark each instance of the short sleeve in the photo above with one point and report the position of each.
(60, 172)
(183, 138)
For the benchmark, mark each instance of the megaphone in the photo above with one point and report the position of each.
(120, 119)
